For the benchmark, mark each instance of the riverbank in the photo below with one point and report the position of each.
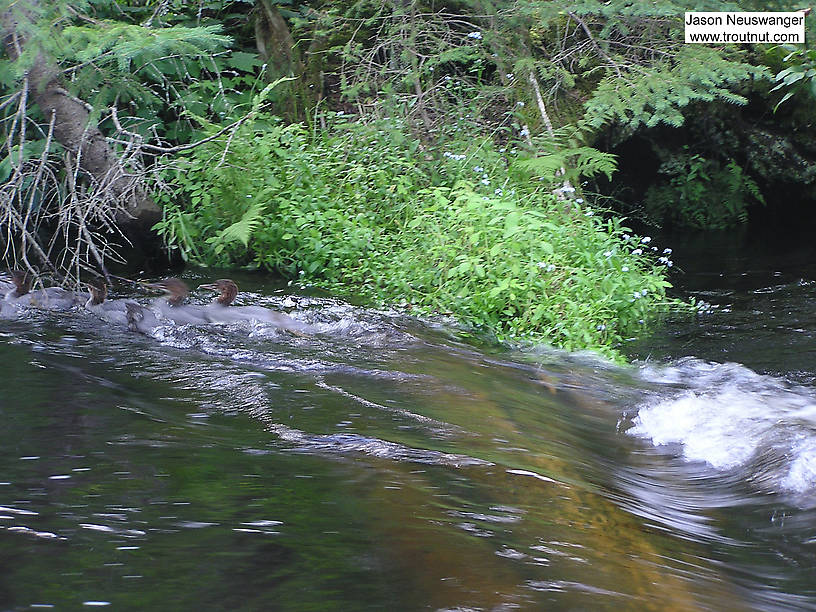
(487, 234)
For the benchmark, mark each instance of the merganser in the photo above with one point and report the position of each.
(51, 298)
(21, 285)
(220, 310)
(114, 311)
(173, 308)
(140, 319)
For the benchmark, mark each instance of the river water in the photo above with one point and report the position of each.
(385, 463)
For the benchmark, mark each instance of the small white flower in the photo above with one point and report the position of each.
(485, 181)
(626, 236)
(669, 264)
(636, 295)
(588, 213)
(550, 267)
(645, 240)
(476, 35)
(625, 269)
(249, 195)
(601, 327)
(607, 253)
(510, 75)
(524, 132)
(498, 192)
(502, 150)
(637, 252)
(478, 169)
(667, 251)
(580, 200)
(568, 189)
(519, 103)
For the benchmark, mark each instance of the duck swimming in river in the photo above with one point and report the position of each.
(140, 319)
(50, 298)
(20, 286)
(114, 311)
(173, 306)
(221, 311)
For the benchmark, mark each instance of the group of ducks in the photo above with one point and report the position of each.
(170, 307)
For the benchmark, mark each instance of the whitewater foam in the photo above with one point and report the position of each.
(734, 419)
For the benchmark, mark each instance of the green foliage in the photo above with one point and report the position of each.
(577, 163)
(658, 95)
(702, 193)
(799, 77)
(356, 210)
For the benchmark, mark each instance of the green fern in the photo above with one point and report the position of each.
(577, 162)
(657, 95)
(240, 231)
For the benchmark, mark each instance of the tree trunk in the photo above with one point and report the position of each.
(274, 41)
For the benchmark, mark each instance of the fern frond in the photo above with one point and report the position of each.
(655, 96)
(241, 231)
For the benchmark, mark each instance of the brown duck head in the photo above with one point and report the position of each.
(228, 290)
(174, 288)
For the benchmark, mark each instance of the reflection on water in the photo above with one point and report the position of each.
(380, 463)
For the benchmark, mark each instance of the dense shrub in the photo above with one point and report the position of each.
(362, 210)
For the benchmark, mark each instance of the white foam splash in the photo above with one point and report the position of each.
(733, 418)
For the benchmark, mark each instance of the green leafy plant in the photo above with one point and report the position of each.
(799, 77)
(702, 193)
(355, 210)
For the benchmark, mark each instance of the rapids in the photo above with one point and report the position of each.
(385, 462)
